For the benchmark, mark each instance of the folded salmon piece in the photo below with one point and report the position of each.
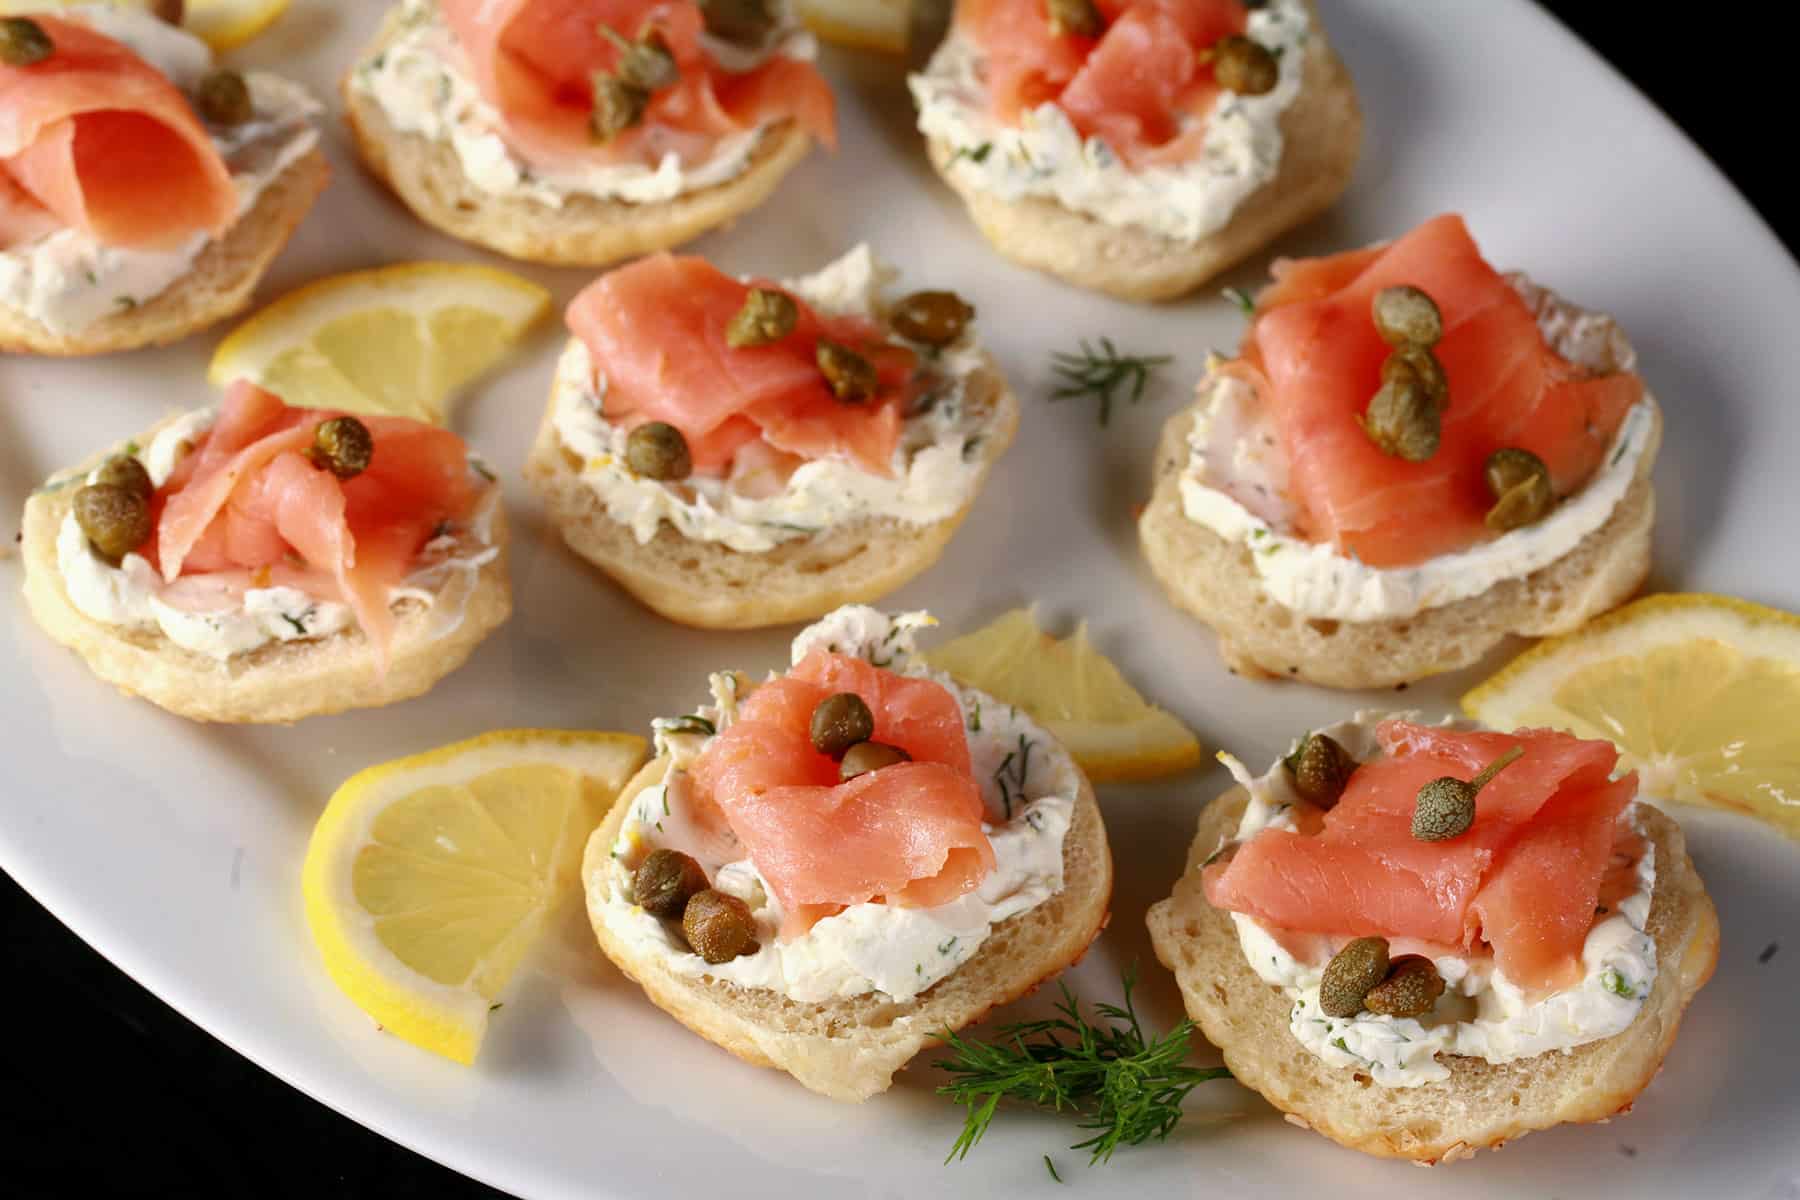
(94, 138)
(534, 61)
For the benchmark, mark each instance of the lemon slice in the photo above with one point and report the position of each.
(864, 24)
(428, 878)
(398, 340)
(1075, 692)
(1699, 692)
(222, 24)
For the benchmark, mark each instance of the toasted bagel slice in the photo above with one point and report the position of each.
(279, 681)
(428, 178)
(218, 285)
(1322, 136)
(850, 1049)
(1481, 1105)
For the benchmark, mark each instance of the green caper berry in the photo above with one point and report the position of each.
(23, 42)
(934, 318)
(1405, 316)
(647, 63)
(1445, 807)
(1075, 18)
(1245, 66)
(851, 377)
(115, 519)
(127, 472)
(1321, 769)
(718, 926)
(1411, 988)
(767, 316)
(1420, 364)
(864, 757)
(223, 98)
(342, 446)
(618, 106)
(665, 881)
(1520, 484)
(1350, 974)
(745, 22)
(1403, 421)
(840, 722)
(656, 450)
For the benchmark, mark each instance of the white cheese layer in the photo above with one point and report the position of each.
(421, 82)
(66, 280)
(1045, 156)
(131, 595)
(1030, 798)
(765, 499)
(1482, 1013)
(1236, 484)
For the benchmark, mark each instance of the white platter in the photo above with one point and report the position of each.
(175, 849)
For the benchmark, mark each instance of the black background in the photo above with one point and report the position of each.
(105, 1090)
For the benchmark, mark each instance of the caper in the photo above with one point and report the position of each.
(718, 926)
(618, 106)
(648, 63)
(746, 22)
(115, 519)
(1076, 18)
(840, 722)
(1421, 364)
(1520, 484)
(656, 450)
(1406, 316)
(665, 881)
(223, 98)
(767, 316)
(1321, 769)
(1445, 807)
(851, 377)
(864, 757)
(24, 42)
(1245, 66)
(1411, 988)
(127, 472)
(935, 318)
(342, 446)
(1350, 974)
(1403, 420)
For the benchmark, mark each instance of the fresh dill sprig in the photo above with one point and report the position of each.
(1128, 1089)
(1241, 298)
(1100, 371)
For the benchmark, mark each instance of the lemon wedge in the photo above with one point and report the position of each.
(429, 878)
(864, 24)
(1075, 692)
(1699, 693)
(221, 24)
(399, 340)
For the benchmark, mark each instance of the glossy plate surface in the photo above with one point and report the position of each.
(175, 848)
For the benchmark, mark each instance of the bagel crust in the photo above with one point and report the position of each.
(279, 681)
(587, 231)
(850, 1049)
(1482, 1105)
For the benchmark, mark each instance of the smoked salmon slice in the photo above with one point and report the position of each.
(1143, 86)
(246, 508)
(908, 834)
(656, 332)
(534, 61)
(1314, 343)
(1524, 878)
(96, 139)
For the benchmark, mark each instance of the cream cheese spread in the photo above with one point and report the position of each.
(66, 280)
(421, 81)
(1482, 1013)
(132, 594)
(1044, 155)
(1029, 785)
(937, 466)
(1235, 483)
